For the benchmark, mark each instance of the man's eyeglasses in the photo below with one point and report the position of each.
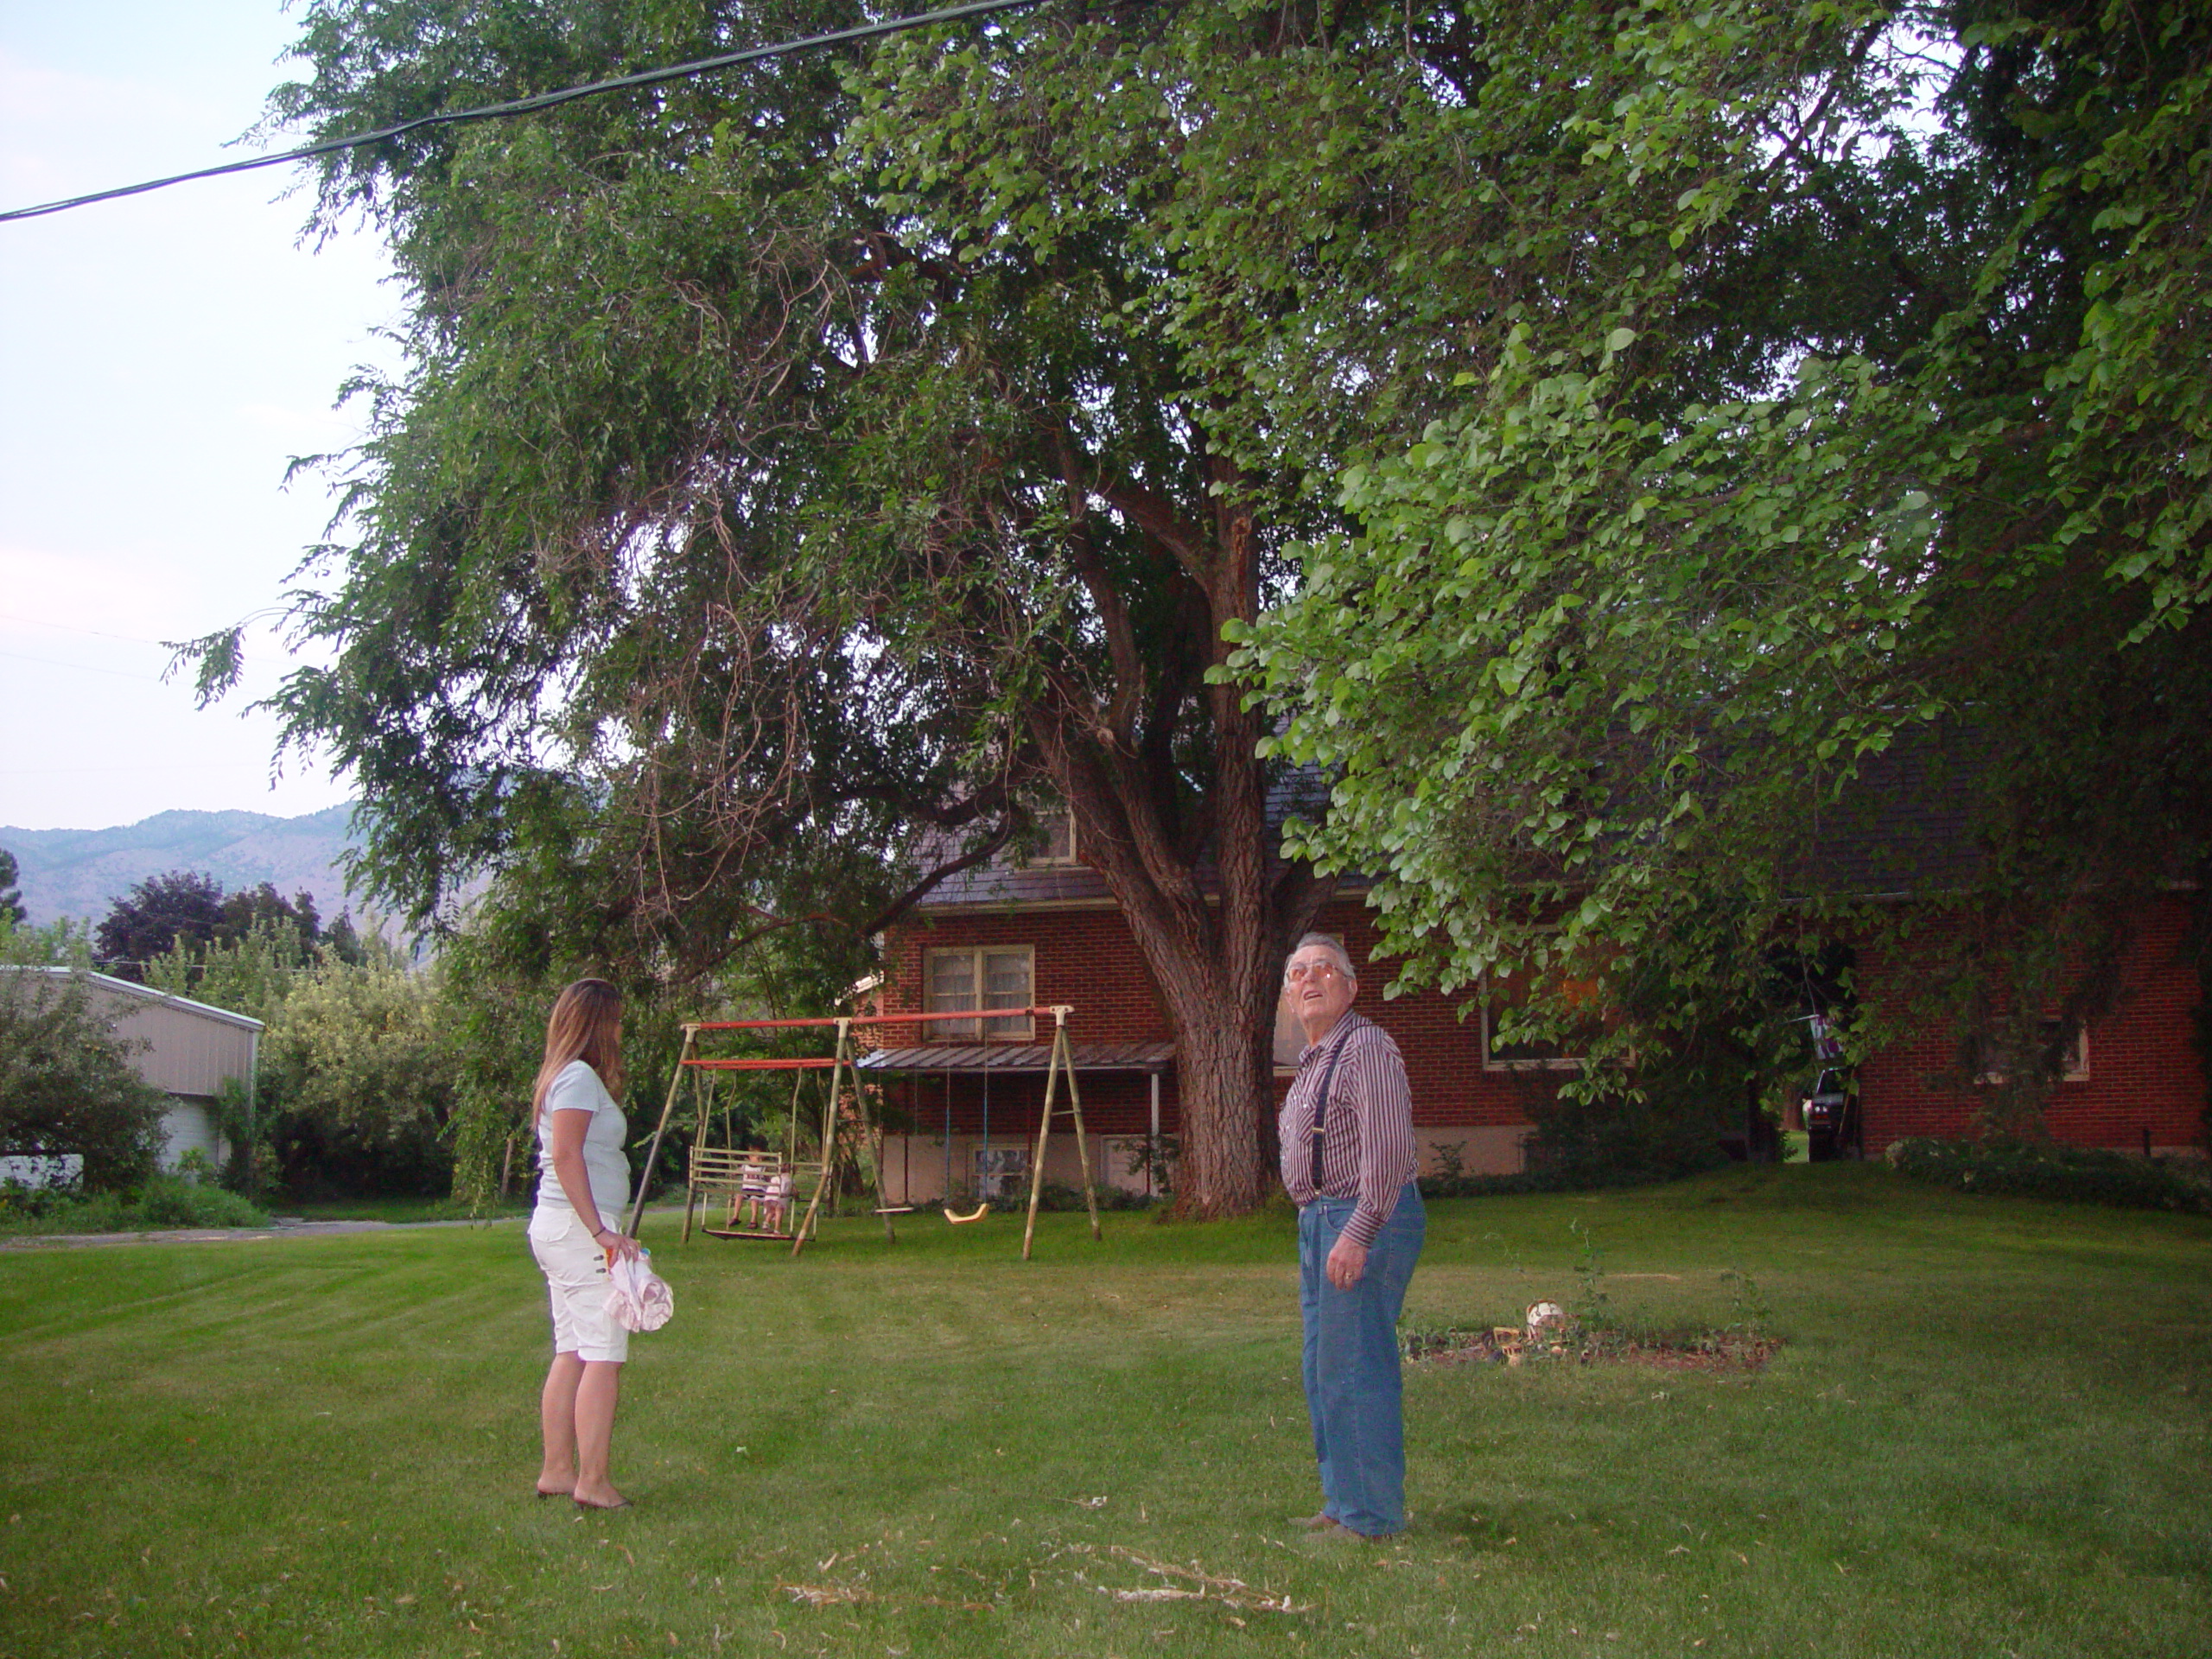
(1298, 972)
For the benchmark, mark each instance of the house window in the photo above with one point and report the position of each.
(1055, 842)
(1002, 1173)
(2073, 1053)
(1527, 1054)
(987, 976)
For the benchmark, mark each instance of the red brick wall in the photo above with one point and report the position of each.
(1087, 958)
(1083, 958)
(2143, 1073)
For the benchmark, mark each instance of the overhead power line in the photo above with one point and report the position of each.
(543, 100)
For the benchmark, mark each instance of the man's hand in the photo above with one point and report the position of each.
(1347, 1262)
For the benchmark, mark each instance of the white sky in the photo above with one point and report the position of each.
(162, 358)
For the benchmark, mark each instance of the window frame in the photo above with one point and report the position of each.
(1044, 858)
(978, 1030)
(2074, 1061)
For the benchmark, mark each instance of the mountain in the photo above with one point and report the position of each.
(82, 871)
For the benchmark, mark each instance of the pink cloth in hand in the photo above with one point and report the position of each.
(639, 1297)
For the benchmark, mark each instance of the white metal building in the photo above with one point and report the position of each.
(190, 1049)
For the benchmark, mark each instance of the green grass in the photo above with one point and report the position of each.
(1986, 1434)
(393, 1210)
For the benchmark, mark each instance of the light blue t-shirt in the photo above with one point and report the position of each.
(577, 1089)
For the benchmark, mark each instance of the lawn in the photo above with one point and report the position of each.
(1985, 1433)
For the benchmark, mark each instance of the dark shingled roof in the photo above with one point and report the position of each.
(1904, 828)
(1004, 882)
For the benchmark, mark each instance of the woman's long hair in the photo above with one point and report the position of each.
(586, 1025)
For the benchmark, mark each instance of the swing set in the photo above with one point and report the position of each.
(830, 1138)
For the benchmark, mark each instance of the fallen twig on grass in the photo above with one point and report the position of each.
(826, 1595)
(852, 1595)
(1230, 1592)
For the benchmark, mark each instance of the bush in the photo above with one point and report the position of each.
(164, 1201)
(2075, 1174)
(357, 1080)
(1581, 1178)
(167, 1201)
(1057, 1198)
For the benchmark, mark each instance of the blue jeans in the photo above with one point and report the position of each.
(1353, 1390)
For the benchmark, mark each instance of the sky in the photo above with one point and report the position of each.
(161, 360)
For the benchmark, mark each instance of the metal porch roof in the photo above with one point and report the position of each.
(975, 1058)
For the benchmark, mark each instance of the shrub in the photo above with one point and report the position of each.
(2078, 1174)
(168, 1201)
(164, 1201)
(1590, 1178)
(1058, 1197)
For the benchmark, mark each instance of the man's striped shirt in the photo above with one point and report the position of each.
(1367, 1151)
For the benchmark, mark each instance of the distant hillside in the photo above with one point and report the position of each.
(82, 871)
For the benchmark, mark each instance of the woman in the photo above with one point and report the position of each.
(576, 1229)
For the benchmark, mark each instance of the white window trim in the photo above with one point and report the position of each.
(1043, 860)
(950, 1031)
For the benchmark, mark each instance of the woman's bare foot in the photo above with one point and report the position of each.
(599, 1498)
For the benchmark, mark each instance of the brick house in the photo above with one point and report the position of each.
(1047, 931)
(2131, 1081)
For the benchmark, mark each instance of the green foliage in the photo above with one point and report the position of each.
(65, 944)
(2046, 1170)
(1849, 391)
(795, 471)
(158, 1202)
(176, 930)
(179, 910)
(11, 897)
(252, 973)
(359, 1079)
(179, 1201)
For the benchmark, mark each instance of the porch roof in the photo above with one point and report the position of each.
(973, 1057)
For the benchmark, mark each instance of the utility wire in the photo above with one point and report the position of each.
(543, 100)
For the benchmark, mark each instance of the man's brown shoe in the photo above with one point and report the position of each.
(1320, 1523)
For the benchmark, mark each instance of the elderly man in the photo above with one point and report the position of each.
(1347, 1159)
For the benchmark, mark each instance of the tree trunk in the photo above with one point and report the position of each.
(1225, 1033)
(1213, 939)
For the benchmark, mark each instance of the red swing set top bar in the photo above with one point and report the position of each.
(811, 1063)
(1058, 1010)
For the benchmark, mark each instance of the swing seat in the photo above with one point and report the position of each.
(735, 1174)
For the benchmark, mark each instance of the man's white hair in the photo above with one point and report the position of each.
(1333, 945)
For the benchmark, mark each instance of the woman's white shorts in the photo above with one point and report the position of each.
(575, 1274)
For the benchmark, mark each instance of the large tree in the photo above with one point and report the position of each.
(177, 909)
(816, 460)
(1895, 424)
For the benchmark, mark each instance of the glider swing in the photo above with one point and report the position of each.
(836, 1136)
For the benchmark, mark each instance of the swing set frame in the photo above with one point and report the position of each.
(850, 1135)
